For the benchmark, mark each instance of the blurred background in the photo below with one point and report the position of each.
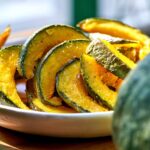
(31, 14)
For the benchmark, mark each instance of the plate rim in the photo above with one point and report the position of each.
(66, 115)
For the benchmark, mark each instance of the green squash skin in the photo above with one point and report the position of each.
(62, 94)
(131, 119)
(69, 49)
(72, 104)
(107, 59)
(10, 53)
(74, 98)
(31, 94)
(5, 101)
(111, 39)
(98, 96)
(130, 51)
(95, 96)
(37, 38)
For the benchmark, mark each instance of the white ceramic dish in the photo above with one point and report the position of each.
(82, 125)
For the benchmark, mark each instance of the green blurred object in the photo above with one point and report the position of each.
(84, 9)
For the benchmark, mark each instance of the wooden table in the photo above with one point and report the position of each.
(11, 140)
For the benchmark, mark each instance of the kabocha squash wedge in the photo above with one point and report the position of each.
(130, 48)
(93, 75)
(8, 65)
(71, 89)
(51, 109)
(112, 27)
(5, 101)
(131, 130)
(52, 62)
(41, 42)
(118, 29)
(110, 58)
(31, 93)
(37, 105)
(113, 40)
(4, 36)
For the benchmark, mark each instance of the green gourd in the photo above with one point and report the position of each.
(131, 119)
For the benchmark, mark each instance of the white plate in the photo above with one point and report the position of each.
(82, 125)
(58, 125)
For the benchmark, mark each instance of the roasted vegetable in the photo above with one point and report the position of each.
(71, 89)
(130, 48)
(93, 74)
(4, 36)
(37, 105)
(113, 39)
(112, 27)
(110, 58)
(117, 29)
(61, 66)
(31, 93)
(8, 65)
(131, 116)
(52, 62)
(52, 109)
(41, 42)
(5, 101)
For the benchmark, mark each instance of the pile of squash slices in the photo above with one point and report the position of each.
(68, 70)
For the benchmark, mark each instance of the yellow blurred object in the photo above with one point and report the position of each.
(4, 36)
(113, 28)
(117, 29)
(145, 50)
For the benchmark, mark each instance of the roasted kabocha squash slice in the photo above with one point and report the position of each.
(129, 51)
(130, 125)
(51, 109)
(70, 88)
(37, 105)
(110, 58)
(5, 101)
(41, 42)
(31, 93)
(130, 48)
(117, 29)
(96, 83)
(112, 27)
(8, 65)
(113, 39)
(4, 36)
(52, 62)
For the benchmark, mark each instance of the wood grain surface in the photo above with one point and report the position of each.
(11, 140)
